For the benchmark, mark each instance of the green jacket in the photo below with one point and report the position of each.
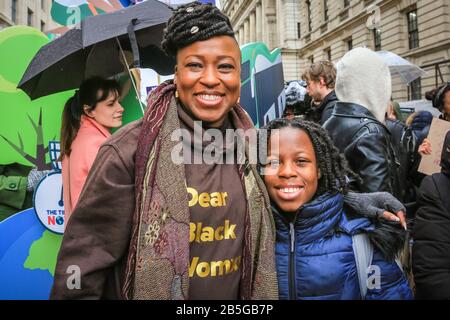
(13, 189)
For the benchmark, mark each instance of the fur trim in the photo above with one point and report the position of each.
(388, 237)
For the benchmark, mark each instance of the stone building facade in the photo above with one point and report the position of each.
(273, 22)
(34, 13)
(313, 30)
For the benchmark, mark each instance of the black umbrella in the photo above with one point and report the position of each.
(96, 49)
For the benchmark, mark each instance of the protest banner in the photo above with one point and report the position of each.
(431, 163)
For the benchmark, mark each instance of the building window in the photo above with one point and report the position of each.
(325, 10)
(42, 26)
(43, 4)
(349, 44)
(346, 3)
(416, 89)
(377, 39)
(30, 18)
(308, 7)
(413, 29)
(14, 11)
(311, 59)
(328, 54)
(298, 30)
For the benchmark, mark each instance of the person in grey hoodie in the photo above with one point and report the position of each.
(363, 87)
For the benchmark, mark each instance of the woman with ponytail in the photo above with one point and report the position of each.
(87, 118)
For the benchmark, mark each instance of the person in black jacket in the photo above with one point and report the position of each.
(363, 87)
(320, 78)
(420, 124)
(431, 233)
(404, 143)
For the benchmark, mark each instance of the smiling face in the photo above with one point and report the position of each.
(291, 176)
(208, 78)
(108, 112)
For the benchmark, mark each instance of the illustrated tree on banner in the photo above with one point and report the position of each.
(26, 126)
(39, 160)
(29, 249)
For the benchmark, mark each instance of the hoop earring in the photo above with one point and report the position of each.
(239, 100)
(176, 94)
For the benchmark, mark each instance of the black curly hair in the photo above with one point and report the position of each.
(193, 22)
(333, 165)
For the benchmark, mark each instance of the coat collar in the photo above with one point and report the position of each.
(89, 122)
(321, 217)
(330, 97)
(314, 219)
(352, 109)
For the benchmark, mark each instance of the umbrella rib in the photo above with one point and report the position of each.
(131, 76)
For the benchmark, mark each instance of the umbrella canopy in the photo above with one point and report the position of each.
(151, 13)
(95, 49)
(400, 67)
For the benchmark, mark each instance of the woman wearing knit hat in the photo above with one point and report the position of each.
(441, 100)
(148, 226)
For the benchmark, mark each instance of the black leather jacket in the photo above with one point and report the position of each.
(322, 112)
(325, 109)
(365, 142)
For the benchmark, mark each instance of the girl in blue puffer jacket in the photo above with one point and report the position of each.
(323, 251)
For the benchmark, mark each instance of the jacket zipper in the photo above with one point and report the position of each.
(292, 288)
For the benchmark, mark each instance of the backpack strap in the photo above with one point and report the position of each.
(363, 251)
(399, 263)
(408, 140)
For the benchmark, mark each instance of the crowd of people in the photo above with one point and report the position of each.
(324, 213)
(385, 151)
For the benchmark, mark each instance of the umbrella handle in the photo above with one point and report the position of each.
(131, 76)
(133, 41)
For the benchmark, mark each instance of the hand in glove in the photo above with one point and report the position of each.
(377, 204)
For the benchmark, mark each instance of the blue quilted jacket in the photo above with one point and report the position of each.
(315, 258)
